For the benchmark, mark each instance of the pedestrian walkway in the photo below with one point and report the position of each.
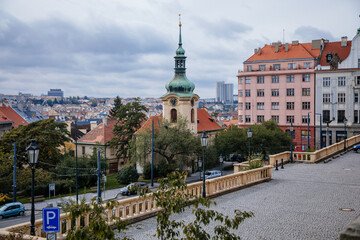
(302, 201)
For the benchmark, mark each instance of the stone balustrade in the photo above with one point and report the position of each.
(316, 156)
(136, 207)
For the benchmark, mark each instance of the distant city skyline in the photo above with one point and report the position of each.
(126, 49)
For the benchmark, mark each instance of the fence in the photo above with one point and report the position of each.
(136, 207)
(316, 156)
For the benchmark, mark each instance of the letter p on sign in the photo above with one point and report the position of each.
(51, 220)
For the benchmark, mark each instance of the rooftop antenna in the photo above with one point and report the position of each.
(283, 35)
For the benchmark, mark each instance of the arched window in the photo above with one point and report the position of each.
(173, 115)
(192, 116)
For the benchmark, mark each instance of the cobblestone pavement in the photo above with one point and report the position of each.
(302, 201)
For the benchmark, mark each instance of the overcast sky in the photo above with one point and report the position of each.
(108, 48)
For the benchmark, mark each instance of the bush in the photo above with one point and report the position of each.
(163, 168)
(256, 163)
(127, 175)
(147, 171)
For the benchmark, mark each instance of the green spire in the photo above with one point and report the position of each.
(180, 85)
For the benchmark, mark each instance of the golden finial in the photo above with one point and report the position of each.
(179, 20)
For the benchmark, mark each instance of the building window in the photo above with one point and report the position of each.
(241, 106)
(307, 65)
(112, 151)
(247, 106)
(247, 80)
(260, 92)
(83, 150)
(173, 114)
(275, 79)
(358, 62)
(275, 118)
(260, 79)
(240, 80)
(249, 68)
(240, 93)
(276, 66)
(262, 67)
(192, 116)
(290, 105)
(306, 78)
(305, 105)
(304, 135)
(290, 78)
(241, 118)
(275, 92)
(356, 97)
(247, 118)
(292, 65)
(247, 93)
(305, 119)
(326, 97)
(326, 116)
(260, 118)
(290, 92)
(356, 116)
(341, 97)
(289, 119)
(341, 116)
(326, 82)
(260, 106)
(341, 81)
(275, 105)
(306, 91)
(358, 80)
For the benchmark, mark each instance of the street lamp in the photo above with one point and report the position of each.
(199, 162)
(204, 141)
(33, 155)
(249, 134)
(345, 133)
(291, 146)
(221, 160)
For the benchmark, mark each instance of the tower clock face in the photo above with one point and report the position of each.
(173, 101)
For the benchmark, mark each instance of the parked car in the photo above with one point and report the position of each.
(133, 187)
(238, 158)
(356, 148)
(12, 209)
(212, 174)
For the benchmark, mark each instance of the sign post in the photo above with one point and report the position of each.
(51, 188)
(51, 222)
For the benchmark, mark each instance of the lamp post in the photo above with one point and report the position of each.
(321, 143)
(204, 141)
(291, 146)
(33, 155)
(308, 131)
(249, 134)
(76, 164)
(221, 160)
(345, 133)
(199, 167)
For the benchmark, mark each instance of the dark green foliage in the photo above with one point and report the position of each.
(147, 171)
(127, 175)
(129, 118)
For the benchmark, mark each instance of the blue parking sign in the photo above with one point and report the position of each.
(51, 219)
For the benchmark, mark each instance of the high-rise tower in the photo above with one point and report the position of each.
(180, 100)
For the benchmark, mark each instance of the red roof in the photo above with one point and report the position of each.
(335, 47)
(301, 50)
(8, 114)
(204, 122)
(101, 134)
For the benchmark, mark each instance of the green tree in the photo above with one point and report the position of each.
(117, 107)
(127, 175)
(173, 143)
(49, 136)
(173, 198)
(129, 118)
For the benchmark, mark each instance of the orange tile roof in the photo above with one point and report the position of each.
(335, 47)
(8, 114)
(146, 127)
(101, 134)
(298, 51)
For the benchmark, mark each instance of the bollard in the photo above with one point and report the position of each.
(282, 164)
(276, 165)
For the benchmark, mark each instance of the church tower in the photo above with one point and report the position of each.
(180, 100)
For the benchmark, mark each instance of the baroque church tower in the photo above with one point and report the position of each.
(180, 100)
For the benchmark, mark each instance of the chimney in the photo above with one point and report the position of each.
(255, 50)
(295, 42)
(286, 47)
(259, 51)
(276, 48)
(93, 125)
(316, 44)
(105, 121)
(344, 41)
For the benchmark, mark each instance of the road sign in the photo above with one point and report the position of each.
(52, 186)
(51, 219)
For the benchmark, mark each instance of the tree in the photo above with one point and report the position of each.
(173, 143)
(49, 136)
(129, 118)
(127, 175)
(173, 198)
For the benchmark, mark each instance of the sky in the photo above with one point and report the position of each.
(109, 48)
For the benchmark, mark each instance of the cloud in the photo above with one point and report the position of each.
(308, 33)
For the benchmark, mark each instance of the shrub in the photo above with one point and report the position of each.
(127, 175)
(256, 163)
(147, 171)
(163, 168)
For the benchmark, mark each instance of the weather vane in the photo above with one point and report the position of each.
(179, 20)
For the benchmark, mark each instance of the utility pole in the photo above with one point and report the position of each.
(14, 183)
(308, 133)
(76, 165)
(99, 176)
(152, 153)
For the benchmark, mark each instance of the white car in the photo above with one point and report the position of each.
(212, 174)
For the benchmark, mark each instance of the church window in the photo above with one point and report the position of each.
(192, 116)
(173, 115)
